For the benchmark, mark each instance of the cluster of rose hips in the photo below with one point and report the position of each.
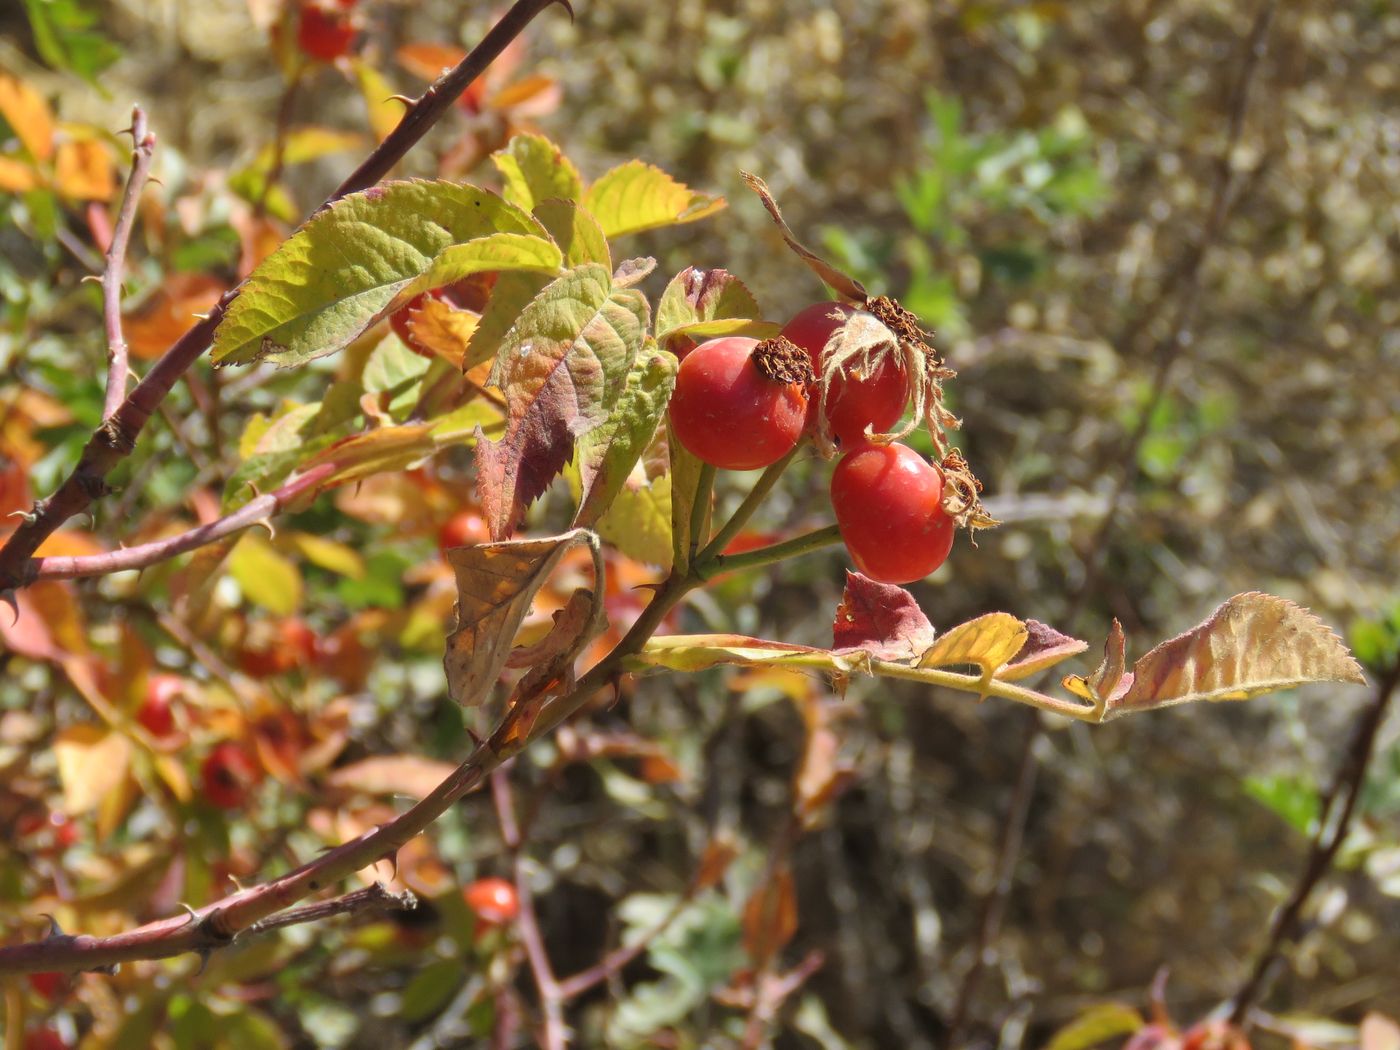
(732, 409)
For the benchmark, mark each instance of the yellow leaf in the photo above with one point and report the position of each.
(1108, 679)
(1096, 1025)
(636, 196)
(16, 176)
(172, 771)
(1254, 643)
(329, 555)
(411, 775)
(25, 110)
(266, 577)
(83, 171)
(92, 763)
(385, 111)
(439, 326)
(987, 642)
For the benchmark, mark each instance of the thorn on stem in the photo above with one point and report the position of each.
(55, 930)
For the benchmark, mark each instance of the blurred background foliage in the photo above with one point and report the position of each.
(1036, 180)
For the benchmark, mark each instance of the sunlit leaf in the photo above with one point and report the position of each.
(339, 558)
(437, 325)
(987, 642)
(696, 652)
(533, 169)
(638, 522)
(607, 454)
(705, 304)
(17, 176)
(368, 254)
(576, 232)
(880, 619)
(562, 366)
(1109, 679)
(496, 583)
(636, 196)
(1254, 643)
(265, 577)
(165, 315)
(383, 110)
(377, 451)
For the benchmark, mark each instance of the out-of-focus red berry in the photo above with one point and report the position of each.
(493, 900)
(45, 1039)
(156, 712)
(292, 644)
(465, 528)
(228, 775)
(325, 33)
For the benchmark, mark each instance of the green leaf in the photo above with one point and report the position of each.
(1097, 1024)
(65, 39)
(510, 295)
(705, 304)
(576, 232)
(607, 454)
(397, 372)
(685, 483)
(1292, 798)
(636, 196)
(431, 989)
(329, 555)
(561, 367)
(265, 577)
(533, 169)
(638, 523)
(368, 254)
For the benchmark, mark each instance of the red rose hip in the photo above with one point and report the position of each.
(854, 401)
(494, 901)
(228, 775)
(729, 413)
(889, 506)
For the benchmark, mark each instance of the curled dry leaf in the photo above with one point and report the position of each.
(1108, 680)
(846, 286)
(1254, 643)
(880, 619)
(496, 583)
(1044, 648)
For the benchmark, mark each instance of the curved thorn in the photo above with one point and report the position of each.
(8, 598)
(567, 7)
(55, 930)
(192, 915)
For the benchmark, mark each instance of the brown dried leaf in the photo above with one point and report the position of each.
(714, 862)
(846, 287)
(1108, 680)
(880, 619)
(770, 917)
(987, 642)
(1254, 643)
(496, 583)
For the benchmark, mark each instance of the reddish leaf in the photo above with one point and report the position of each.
(770, 917)
(1044, 648)
(881, 619)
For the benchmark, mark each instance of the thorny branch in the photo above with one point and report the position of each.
(1185, 280)
(142, 152)
(116, 438)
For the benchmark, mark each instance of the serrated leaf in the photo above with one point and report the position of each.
(607, 454)
(576, 232)
(699, 299)
(1044, 648)
(1254, 643)
(638, 523)
(510, 295)
(880, 619)
(366, 255)
(986, 642)
(534, 169)
(265, 577)
(636, 196)
(1096, 1025)
(496, 582)
(561, 367)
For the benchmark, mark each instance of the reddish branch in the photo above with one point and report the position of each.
(115, 439)
(256, 512)
(1327, 841)
(217, 925)
(142, 151)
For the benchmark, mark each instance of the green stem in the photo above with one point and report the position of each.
(710, 565)
(745, 510)
(704, 489)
